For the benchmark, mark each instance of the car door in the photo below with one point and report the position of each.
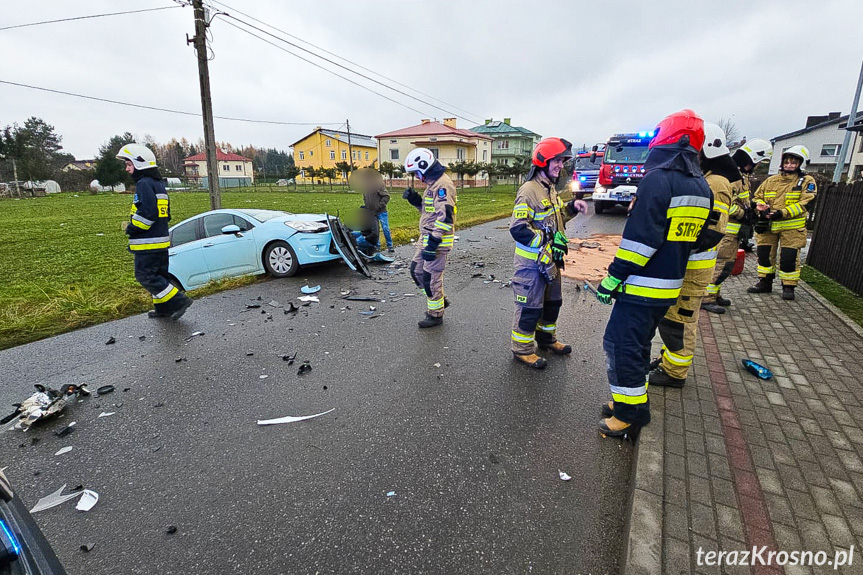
(186, 258)
(229, 255)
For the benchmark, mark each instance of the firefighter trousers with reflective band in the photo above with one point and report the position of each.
(726, 256)
(151, 271)
(628, 334)
(679, 328)
(429, 276)
(787, 243)
(537, 305)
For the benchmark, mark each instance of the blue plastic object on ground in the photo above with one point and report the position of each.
(757, 369)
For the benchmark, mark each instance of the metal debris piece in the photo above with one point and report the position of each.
(111, 341)
(310, 290)
(291, 418)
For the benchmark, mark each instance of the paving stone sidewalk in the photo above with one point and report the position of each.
(731, 461)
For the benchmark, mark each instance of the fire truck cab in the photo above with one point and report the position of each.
(621, 171)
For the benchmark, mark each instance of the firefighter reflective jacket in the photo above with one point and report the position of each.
(537, 214)
(789, 193)
(437, 212)
(151, 212)
(672, 206)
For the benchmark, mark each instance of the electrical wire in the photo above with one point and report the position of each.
(157, 109)
(322, 68)
(403, 93)
(87, 17)
(346, 60)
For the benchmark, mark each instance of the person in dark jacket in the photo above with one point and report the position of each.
(646, 276)
(148, 233)
(370, 184)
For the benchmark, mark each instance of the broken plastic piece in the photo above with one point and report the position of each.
(63, 450)
(563, 475)
(87, 501)
(361, 298)
(305, 368)
(107, 413)
(291, 308)
(391, 493)
(194, 334)
(309, 298)
(105, 389)
(253, 306)
(307, 289)
(65, 430)
(171, 529)
(289, 419)
(111, 340)
(87, 547)
(290, 358)
(757, 369)
(53, 500)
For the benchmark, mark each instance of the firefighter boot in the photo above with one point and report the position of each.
(660, 378)
(185, 303)
(607, 409)
(531, 360)
(153, 314)
(712, 307)
(556, 347)
(764, 285)
(613, 427)
(429, 321)
(788, 292)
(722, 301)
(654, 363)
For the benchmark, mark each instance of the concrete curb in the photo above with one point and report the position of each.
(855, 327)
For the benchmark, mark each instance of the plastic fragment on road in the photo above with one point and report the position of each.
(310, 290)
(194, 334)
(87, 501)
(107, 413)
(87, 547)
(63, 450)
(111, 341)
(42, 404)
(290, 358)
(263, 376)
(391, 494)
(62, 432)
(105, 389)
(290, 419)
(309, 298)
(563, 475)
(291, 308)
(305, 368)
(757, 369)
(361, 298)
(53, 500)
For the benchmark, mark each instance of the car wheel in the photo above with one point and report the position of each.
(173, 279)
(599, 206)
(280, 260)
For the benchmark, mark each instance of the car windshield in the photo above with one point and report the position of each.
(264, 215)
(625, 154)
(585, 163)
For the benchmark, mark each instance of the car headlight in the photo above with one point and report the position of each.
(575, 186)
(308, 227)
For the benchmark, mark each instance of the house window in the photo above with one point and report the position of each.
(435, 152)
(503, 144)
(226, 168)
(432, 139)
(302, 156)
(394, 154)
(329, 143)
(344, 154)
(485, 155)
(394, 142)
(460, 154)
(355, 155)
(830, 149)
(238, 168)
(367, 156)
(332, 154)
(311, 153)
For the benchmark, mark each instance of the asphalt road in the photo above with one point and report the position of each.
(441, 455)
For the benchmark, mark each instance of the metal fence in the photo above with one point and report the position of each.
(836, 249)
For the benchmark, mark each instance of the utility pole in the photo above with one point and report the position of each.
(843, 152)
(200, 42)
(350, 148)
(15, 175)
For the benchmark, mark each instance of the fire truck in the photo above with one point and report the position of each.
(621, 171)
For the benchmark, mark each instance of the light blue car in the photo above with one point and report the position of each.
(231, 243)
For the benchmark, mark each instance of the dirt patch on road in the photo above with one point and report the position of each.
(588, 258)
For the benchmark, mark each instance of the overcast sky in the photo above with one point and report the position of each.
(577, 70)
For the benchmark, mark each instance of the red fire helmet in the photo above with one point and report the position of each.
(677, 125)
(549, 149)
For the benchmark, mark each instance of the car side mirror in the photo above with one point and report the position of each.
(231, 229)
(593, 155)
(595, 148)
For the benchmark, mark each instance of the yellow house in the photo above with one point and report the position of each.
(325, 148)
(448, 143)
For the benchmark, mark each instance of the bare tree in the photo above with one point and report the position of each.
(732, 134)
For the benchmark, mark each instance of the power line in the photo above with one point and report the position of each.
(340, 66)
(87, 17)
(345, 59)
(144, 107)
(321, 67)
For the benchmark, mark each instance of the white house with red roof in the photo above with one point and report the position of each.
(448, 143)
(234, 170)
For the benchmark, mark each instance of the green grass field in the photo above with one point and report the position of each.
(66, 266)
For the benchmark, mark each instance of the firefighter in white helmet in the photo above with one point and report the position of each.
(148, 232)
(781, 202)
(437, 207)
(747, 157)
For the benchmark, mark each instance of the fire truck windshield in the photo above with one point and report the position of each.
(626, 154)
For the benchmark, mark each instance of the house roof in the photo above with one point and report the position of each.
(360, 140)
(837, 120)
(431, 129)
(497, 127)
(220, 157)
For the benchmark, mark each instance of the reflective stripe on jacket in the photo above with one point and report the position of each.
(437, 211)
(789, 193)
(537, 214)
(151, 212)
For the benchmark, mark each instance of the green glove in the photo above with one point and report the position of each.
(606, 289)
(559, 247)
